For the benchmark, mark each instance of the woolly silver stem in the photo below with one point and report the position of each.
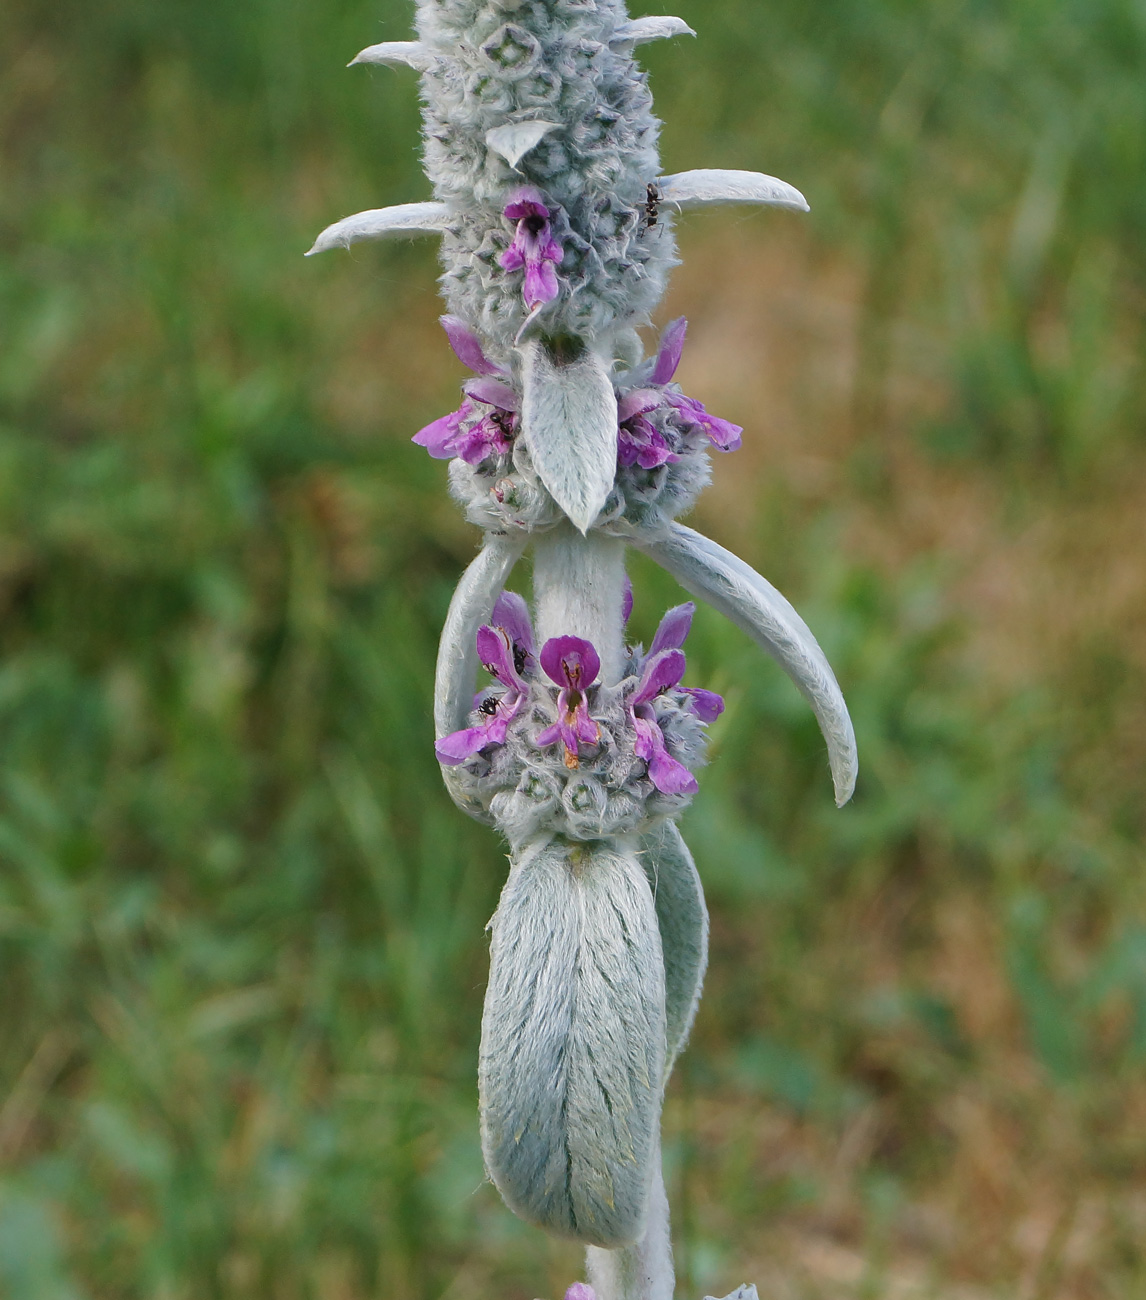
(643, 1271)
(579, 590)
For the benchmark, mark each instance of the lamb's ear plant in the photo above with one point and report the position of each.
(556, 229)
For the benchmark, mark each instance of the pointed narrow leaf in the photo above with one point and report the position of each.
(682, 920)
(410, 54)
(754, 605)
(513, 142)
(571, 1066)
(569, 421)
(456, 674)
(382, 223)
(710, 186)
(640, 30)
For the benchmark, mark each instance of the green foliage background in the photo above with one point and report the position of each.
(241, 945)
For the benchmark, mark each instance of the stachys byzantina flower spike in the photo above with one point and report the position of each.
(557, 239)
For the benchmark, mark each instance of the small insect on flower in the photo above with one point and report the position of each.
(652, 205)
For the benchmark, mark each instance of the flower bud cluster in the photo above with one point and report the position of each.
(559, 73)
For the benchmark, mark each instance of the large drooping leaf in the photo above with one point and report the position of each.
(573, 1043)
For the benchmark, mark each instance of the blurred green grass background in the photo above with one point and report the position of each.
(241, 926)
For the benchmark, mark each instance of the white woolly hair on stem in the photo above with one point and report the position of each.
(579, 590)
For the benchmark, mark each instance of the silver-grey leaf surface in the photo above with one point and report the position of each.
(638, 31)
(682, 919)
(711, 186)
(394, 54)
(573, 1042)
(514, 141)
(569, 421)
(745, 598)
(456, 672)
(404, 219)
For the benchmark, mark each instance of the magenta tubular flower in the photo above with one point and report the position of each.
(580, 1291)
(439, 437)
(511, 616)
(669, 353)
(467, 347)
(573, 664)
(638, 441)
(506, 652)
(671, 635)
(493, 431)
(533, 247)
(707, 705)
(723, 434)
(674, 628)
(662, 672)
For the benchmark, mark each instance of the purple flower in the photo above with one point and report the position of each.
(439, 437)
(486, 432)
(511, 616)
(533, 247)
(638, 441)
(662, 672)
(707, 705)
(580, 1291)
(668, 356)
(467, 347)
(723, 434)
(627, 600)
(674, 629)
(573, 664)
(506, 652)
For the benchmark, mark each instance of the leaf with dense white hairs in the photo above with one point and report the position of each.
(384, 223)
(514, 141)
(682, 919)
(396, 54)
(642, 1271)
(710, 186)
(571, 1065)
(456, 672)
(638, 31)
(746, 1291)
(754, 605)
(569, 422)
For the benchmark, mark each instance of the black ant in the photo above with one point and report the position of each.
(504, 421)
(488, 706)
(652, 201)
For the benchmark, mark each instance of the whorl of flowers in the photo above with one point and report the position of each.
(556, 230)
